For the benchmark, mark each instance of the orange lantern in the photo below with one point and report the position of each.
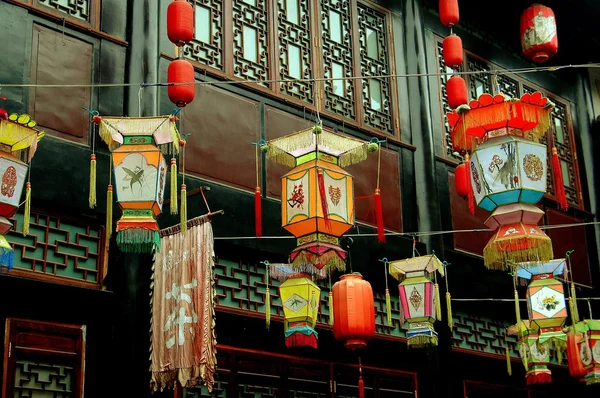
(353, 311)
(539, 40)
(449, 14)
(456, 88)
(181, 71)
(453, 51)
(180, 22)
(461, 180)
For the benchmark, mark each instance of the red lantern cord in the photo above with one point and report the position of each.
(470, 198)
(559, 185)
(361, 383)
(324, 207)
(378, 205)
(257, 202)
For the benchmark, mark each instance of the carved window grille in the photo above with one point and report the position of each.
(251, 40)
(295, 48)
(82, 12)
(207, 45)
(284, 44)
(560, 134)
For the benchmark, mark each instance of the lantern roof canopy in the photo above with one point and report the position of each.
(18, 133)
(529, 116)
(528, 270)
(287, 149)
(429, 263)
(113, 130)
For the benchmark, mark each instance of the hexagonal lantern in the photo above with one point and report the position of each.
(535, 358)
(508, 170)
(300, 298)
(514, 213)
(14, 175)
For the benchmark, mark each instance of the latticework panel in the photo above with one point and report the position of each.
(562, 140)
(251, 40)
(509, 86)
(445, 74)
(295, 50)
(37, 379)
(337, 37)
(479, 83)
(219, 391)
(374, 61)
(207, 45)
(79, 9)
(57, 249)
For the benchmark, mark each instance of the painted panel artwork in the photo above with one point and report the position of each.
(13, 176)
(337, 195)
(162, 174)
(298, 200)
(135, 179)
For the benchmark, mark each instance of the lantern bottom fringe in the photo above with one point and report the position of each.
(538, 378)
(497, 255)
(138, 240)
(593, 377)
(330, 260)
(7, 258)
(299, 339)
(421, 341)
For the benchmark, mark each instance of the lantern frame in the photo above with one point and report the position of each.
(299, 289)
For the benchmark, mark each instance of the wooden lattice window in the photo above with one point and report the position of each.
(560, 134)
(43, 359)
(272, 43)
(83, 12)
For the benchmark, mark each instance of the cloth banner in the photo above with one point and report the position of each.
(183, 341)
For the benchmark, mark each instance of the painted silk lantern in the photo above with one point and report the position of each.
(419, 297)
(507, 171)
(583, 350)
(539, 39)
(547, 314)
(317, 195)
(138, 146)
(18, 144)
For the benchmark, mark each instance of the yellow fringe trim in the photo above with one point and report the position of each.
(183, 210)
(268, 307)
(438, 303)
(517, 310)
(353, 156)
(573, 305)
(92, 196)
(388, 307)
(497, 259)
(559, 356)
(109, 212)
(422, 341)
(330, 305)
(27, 210)
(173, 201)
(314, 302)
(508, 364)
(449, 311)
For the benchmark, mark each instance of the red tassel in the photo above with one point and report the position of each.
(379, 217)
(559, 185)
(361, 388)
(258, 212)
(321, 183)
(470, 197)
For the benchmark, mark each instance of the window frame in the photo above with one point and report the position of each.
(317, 65)
(94, 11)
(522, 84)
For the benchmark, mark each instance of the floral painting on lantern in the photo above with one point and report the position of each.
(13, 179)
(135, 179)
(542, 31)
(547, 302)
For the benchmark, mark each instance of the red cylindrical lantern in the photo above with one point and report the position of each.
(461, 180)
(353, 311)
(449, 12)
(181, 71)
(453, 51)
(456, 88)
(180, 22)
(539, 39)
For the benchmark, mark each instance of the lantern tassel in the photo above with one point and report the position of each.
(449, 311)
(27, 210)
(321, 182)
(258, 212)
(268, 307)
(379, 217)
(330, 304)
(361, 383)
(173, 201)
(559, 356)
(517, 311)
(508, 364)
(438, 303)
(92, 196)
(559, 186)
(183, 208)
(470, 198)
(573, 305)
(388, 307)
(109, 212)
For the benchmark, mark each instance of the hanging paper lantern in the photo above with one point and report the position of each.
(419, 297)
(539, 39)
(578, 350)
(449, 14)
(18, 144)
(354, 311)
(456, 88)
(139, 169)
(317, 195)
(453, 51)
(300, 298)
(181, 71)
(535, 358)
(461, 180)
(180, 22)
